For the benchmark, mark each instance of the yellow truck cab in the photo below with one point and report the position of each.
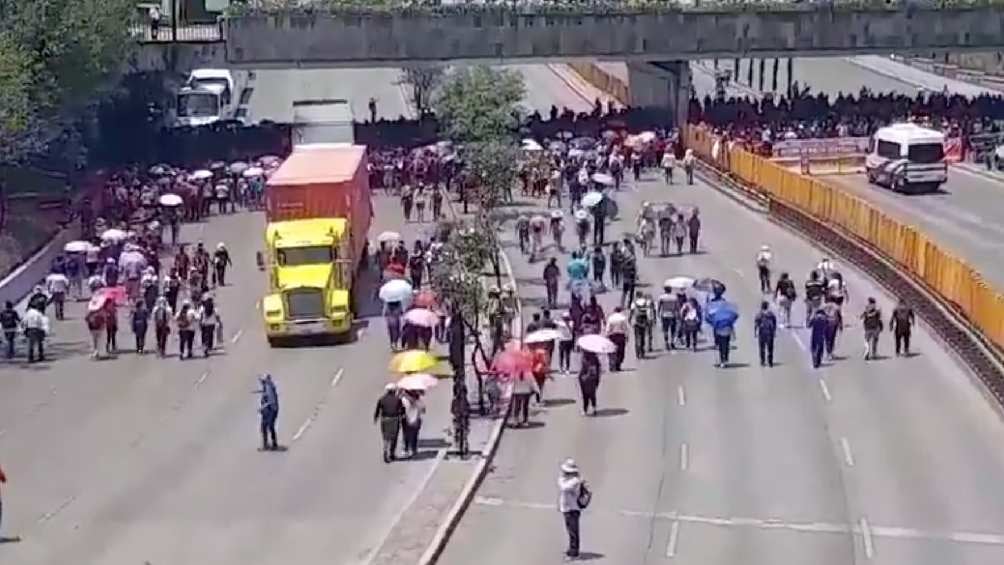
(310, 279)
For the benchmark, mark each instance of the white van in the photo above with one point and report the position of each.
(209, 95)
(907, 158)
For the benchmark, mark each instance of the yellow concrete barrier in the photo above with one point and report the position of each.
(945, 274)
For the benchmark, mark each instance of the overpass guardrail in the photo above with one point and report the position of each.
(843, 221)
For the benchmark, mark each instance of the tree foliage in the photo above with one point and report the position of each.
(479, 104)
(422, 82)
(57, 60)
(492, 164)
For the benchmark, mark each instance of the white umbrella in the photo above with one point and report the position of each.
(556, 214)
(604, 179)
(592, 198)
(269, 160)
(113, 235)
(421, 317)
(252, 172)
(202, 174)
(388, 236)
(581, 214)
(542, 336)
(647, 136)
(575, 153)
(238, 167)
(397, 290)
(170, 200)
(157, 170)
(617, 318)
(679, 282)
(595, 343)
(78, 246)
(531, 145)
(417, 381)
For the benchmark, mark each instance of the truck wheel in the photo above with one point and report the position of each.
(273, 342)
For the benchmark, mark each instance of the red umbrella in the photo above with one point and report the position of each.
(426, 299)
(512, 362)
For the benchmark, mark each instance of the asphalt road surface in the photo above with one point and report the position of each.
(891, 461)
(145, 460)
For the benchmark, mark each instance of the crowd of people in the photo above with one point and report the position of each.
(129, 259)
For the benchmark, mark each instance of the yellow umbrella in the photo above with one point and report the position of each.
(413, 361)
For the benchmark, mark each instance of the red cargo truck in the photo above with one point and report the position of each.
(323, 181)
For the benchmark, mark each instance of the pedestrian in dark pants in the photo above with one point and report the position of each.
(3, 480)
(764, 329)
(269, 410)
(599, 265)
(694, 230)
(836, 323)
(629, 279)
(36, 326)
(570, 503)
(9, 321)
(551, 275)
(599, 223)
(389, 411)
(566, 343)
(140, 317)
(871, 319)
(901, 324)
(617, 328)
(589, 381)
(723, 340)
(818, 324)
(523, 388)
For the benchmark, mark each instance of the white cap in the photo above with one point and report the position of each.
(569, 467)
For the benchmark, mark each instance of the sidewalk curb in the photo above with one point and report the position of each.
(459, 508)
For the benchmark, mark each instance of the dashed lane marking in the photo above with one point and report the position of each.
(846, 447)
(866, 538)
(826, 390)
(52, 514)
(684, 457)
(338, 377)
(237, 336)
(681, 396)
(674, 538)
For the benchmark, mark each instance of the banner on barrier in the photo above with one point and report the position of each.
(829, 147)
(954, 150)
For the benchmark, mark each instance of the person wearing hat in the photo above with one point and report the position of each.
(221, 262)
(389, 411)
(269, 410)
(570, 491)
(763, 268)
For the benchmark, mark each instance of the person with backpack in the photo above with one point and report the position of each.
(871, 319)
(221, 262)
(901, 323)
(139, 320)
(161, 315)
(785, 295)
(10, 320)
(764, 330)
(186, 320)
(814, 291)
(573, 497)
(209, 323)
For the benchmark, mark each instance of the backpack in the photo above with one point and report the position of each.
(766, 323)
(183, 321)
(585, 496)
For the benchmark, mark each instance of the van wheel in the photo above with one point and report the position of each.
(871, 177)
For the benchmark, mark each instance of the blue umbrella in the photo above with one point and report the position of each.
(713, 286)
(720, 313)
(578, 269)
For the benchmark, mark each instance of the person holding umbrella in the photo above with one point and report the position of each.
(389, 411)
(722, 317)
(411, 424)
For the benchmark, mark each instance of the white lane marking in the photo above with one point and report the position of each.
(848, 456)
(411, 502)
(681, 396)
(798, 340)
(257, 305)
(202, 379)
(50, 515)
(237, 336)
(739, 272)
(684, 457)
(2, 432)
(303, 428)
(337, 377)
(674, 537)
(826, 390)
(866, 538)
(862, 527)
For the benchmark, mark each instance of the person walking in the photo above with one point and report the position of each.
(764, 330)
(688, 165)
(901, 324)
(221, 262)
(186, 321)
(617, 331)
(871, 319)
(668, 164)
(599, 264)
(668, 309)
(723, 341)
(139, 319)
(571, 491)
(690, 323)
(641, 319)
(763, 259)
(694, 229)
(785, 295)
(389, 411)
(523, 387)
(411, 425)
(836, 323)
(566, 342)
(57, 285)
(629, 279)
(36, 327)
(209, 322)
(589, 381)
(819, 325)
(551, 275)
(10, 320)
(161, 315)
(269, 411)
(3, 480)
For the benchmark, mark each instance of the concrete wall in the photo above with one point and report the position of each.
(179, 57)
(604, 81)
(388, 39)
(660, 87)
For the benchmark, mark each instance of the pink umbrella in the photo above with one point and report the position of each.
(421, 317)
(512, 362)
(418, 381)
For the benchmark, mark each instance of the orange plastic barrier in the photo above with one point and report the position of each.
(947, 275)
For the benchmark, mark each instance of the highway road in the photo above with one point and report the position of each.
(143, 460)
(890, 462)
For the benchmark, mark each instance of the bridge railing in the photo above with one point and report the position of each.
(183, 33)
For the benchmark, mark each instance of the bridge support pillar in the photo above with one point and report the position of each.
(663, 87)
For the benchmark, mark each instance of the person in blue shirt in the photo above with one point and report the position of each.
(765, 328)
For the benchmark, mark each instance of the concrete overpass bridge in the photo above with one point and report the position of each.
(656, 41)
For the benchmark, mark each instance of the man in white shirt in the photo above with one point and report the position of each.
(617, 331)
(36, 326)
(569, 492)
(57, 284)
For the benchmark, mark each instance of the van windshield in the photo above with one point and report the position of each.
(198, 105)
(925, 153)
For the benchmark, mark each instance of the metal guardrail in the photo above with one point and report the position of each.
(187, 33)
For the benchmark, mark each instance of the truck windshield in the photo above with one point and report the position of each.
(198, 105)
(926, 153)
(311, 255)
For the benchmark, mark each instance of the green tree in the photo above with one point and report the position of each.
(422, 82)
(58, 59)
(478, 104)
